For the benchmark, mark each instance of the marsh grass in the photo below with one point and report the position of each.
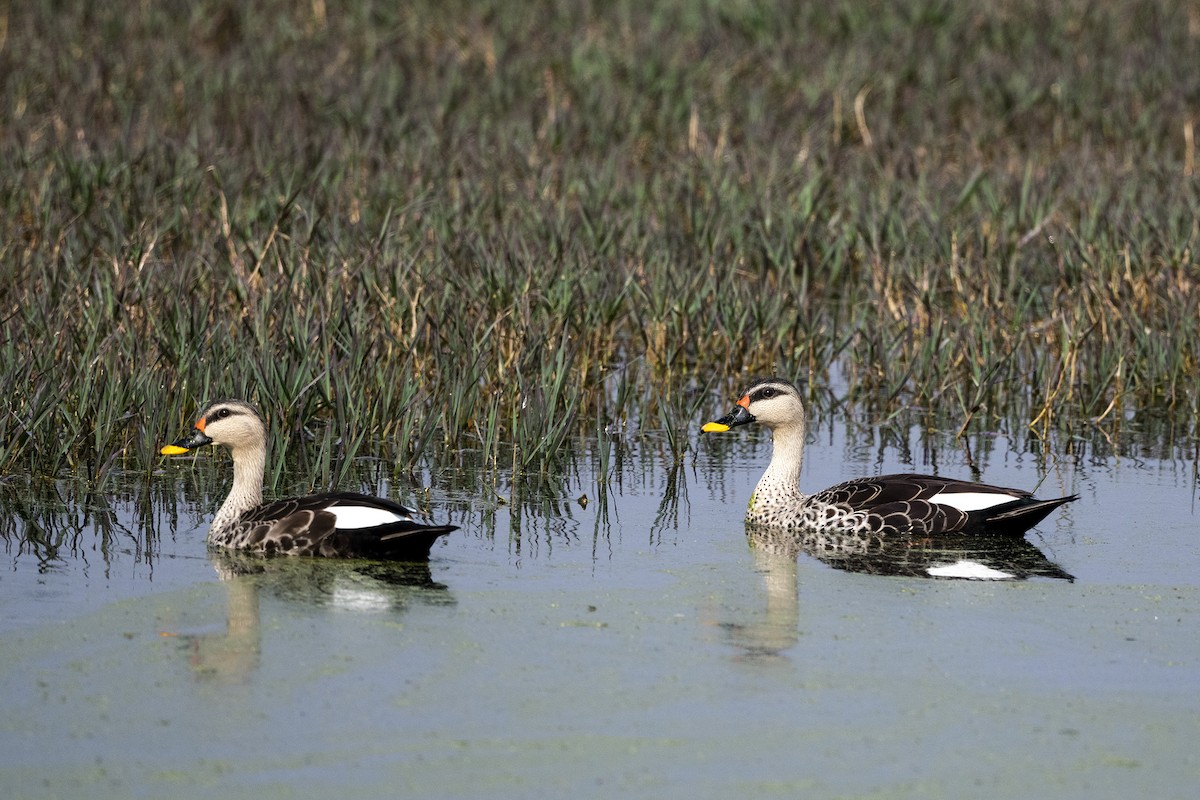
(416, 232)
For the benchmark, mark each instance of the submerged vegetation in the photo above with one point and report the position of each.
(420, 228)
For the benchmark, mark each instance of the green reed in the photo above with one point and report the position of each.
(429, 232)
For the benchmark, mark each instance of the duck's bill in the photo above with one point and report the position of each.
(739, 416)
(190, 442)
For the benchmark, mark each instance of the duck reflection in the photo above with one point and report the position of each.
(345, 584)
(768, 636)
(946, 557)
(234, 655)
(765, 638)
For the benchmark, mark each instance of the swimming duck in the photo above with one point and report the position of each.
(888, 504)
(331, 524)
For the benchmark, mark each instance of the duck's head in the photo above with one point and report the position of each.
(773, 402)
(233, 423)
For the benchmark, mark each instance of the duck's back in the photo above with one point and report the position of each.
(930, 505)
(333, 525)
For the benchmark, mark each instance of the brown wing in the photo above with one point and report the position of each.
(916, 517)
(295, 526)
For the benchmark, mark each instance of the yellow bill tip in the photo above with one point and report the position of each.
(172, 450)
(714, 427)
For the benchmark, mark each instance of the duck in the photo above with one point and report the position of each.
(329, 524)
(903, 504)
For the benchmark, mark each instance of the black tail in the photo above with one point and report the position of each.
(405, 541)
(1013, 519)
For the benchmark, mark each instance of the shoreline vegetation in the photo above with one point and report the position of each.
(411, 229)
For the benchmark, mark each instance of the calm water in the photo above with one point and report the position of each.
(633, 643)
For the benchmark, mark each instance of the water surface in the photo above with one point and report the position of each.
(636, 641)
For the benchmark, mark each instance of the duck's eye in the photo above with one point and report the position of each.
(767, 393)
(223, 413)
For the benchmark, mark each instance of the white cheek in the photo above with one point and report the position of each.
(969, 569)
(363, 516)
(971, 501)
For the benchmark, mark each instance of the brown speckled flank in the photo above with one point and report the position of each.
(333, 524)
(885, 505)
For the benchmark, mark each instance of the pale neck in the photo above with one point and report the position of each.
(787, 455)
(778, 489)
(246, 493)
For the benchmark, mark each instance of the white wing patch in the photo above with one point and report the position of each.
(971, 501)
(972, 570)
(363, 516)
(354, 596)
